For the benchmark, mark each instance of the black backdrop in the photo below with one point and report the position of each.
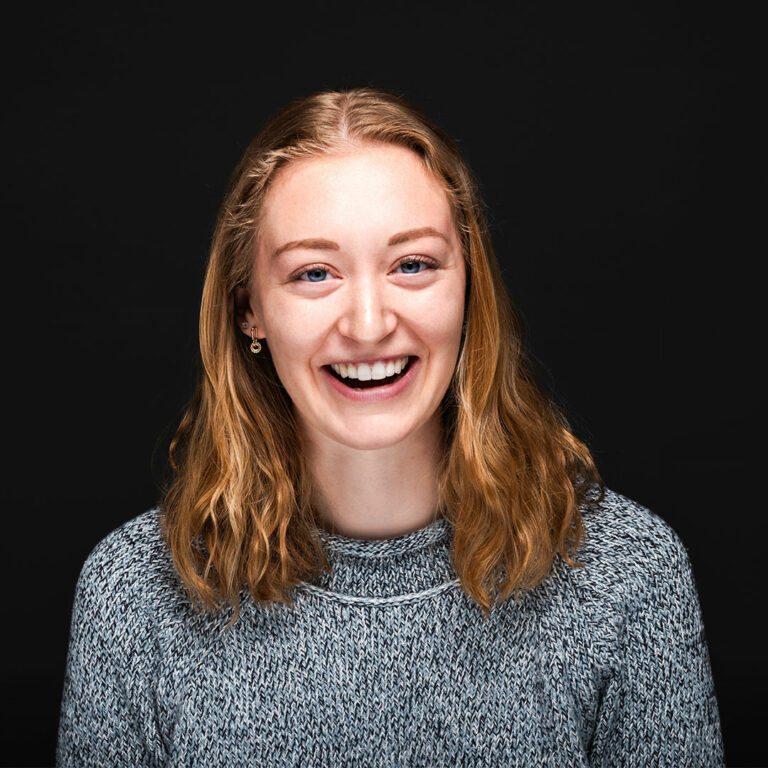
(598, 136)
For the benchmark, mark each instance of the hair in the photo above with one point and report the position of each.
(236, 511)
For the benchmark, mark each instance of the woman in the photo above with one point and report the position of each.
(382, 545)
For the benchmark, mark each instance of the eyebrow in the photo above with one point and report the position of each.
(319, 244)
(415, 234)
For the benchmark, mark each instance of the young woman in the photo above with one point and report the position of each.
(382, 545)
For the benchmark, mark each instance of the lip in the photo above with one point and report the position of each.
(375, 394)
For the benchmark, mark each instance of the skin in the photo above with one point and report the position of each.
(373, 465)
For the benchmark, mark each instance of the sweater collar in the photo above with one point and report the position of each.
(405, 565)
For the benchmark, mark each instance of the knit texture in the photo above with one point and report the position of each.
(385, 661)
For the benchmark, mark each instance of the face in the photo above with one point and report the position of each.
(359, 261)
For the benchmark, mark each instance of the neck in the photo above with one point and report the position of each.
(376, 494)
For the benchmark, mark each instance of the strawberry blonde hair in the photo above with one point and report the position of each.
(236, 513)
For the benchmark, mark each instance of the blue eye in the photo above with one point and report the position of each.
(426, 261)
(416, 262)
(311, 272)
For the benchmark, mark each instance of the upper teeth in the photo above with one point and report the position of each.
(365, 372)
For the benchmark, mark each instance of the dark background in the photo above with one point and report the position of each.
(600, 139)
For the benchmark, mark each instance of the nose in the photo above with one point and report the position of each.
(367, 316)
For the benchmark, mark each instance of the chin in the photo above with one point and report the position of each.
(372, 440)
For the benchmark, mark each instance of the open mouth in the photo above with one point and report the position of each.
(371, 383)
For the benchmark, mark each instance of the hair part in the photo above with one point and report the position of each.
(237, 514)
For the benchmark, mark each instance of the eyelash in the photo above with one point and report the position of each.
(426, 260)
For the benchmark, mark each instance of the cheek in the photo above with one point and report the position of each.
(290, 322)
(441, 337)
(440, 319)
(294, 332)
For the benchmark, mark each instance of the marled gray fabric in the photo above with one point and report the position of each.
(386, 662)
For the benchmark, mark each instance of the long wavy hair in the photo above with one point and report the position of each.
(236, 511)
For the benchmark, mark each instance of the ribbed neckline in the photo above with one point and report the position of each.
(385, 547)
(405, 565)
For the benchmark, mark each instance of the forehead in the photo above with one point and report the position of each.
(368, 191)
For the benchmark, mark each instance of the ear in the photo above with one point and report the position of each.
(245, 315)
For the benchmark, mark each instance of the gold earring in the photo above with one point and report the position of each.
(255, 346)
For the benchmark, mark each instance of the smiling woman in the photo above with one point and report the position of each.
(391, 286)
(381, 544)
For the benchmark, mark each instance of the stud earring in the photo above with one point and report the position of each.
(245, 325)
(255, 346)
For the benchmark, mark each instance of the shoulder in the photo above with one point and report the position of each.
(626, 532)
(124, 555)
(127, 569)
(628, 549)
(131, 607)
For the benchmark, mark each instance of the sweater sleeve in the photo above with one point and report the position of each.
(659, 709)
(107, 716)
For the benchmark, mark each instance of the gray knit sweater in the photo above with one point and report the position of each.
(387, 662)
